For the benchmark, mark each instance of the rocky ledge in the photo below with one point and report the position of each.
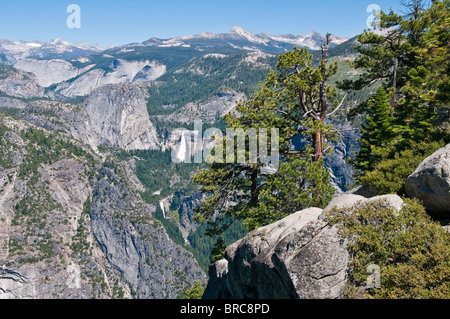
(301, 256)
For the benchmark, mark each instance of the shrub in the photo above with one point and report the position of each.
(390, 174)
(411, 249)
(195, 292)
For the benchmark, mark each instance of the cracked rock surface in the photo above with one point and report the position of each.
(299, 257)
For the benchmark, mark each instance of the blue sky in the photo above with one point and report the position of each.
(118, 22)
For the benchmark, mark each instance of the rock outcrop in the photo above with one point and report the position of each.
(430, 182)
(341, 172)
(19, 84)
(119, 71)
(299, 257)
(135, 245)
(48, 72)
(116, 115)
(186, 212)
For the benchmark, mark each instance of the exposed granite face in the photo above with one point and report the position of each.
(186, 212)
(299, 257)
(116, 115)
(137, 246)
(430, 182)
(20, 84)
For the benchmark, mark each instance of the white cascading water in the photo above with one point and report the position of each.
(161, 204)
(183, 150)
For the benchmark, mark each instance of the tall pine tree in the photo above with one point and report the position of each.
(376, 132)
(295, 99)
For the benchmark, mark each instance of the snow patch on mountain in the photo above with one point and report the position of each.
(15, 51)
(239, 38)
(215, 55)
(247, 35)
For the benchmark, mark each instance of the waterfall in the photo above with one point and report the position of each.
(161, 204)
(183, 150)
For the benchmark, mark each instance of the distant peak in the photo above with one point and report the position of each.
(59, 41)
(240, 31)
(237, 29)
(312, 33)
(250, 36)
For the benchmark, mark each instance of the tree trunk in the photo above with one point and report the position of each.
(254, 186)
(318, 135)
(318, 145)
(394, 85)
(323, 84)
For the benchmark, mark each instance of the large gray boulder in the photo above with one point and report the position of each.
(350, 200)
(299, 257)
(430, 182)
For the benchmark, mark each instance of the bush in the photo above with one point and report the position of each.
(412, 251)
(390, 174)
(196, 292)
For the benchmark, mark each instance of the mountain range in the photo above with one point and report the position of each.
(76, 69)
(13, 51)
(238, 39)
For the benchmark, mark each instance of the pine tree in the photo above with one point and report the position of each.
(195, 292)
(377, 132)
(296, 99)
(218, 249)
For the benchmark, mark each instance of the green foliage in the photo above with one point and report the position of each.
(79, 244)
(411, 250)
(195, 292)
(174, 90)
(6, 71)
(376, 132)
(299, 184)
(218, 249)
(288, 100)
(437, 52)
(390, 174)
(411, 65)
(203, 245)
(160, 175)
(33, 211)
(156, 163)
(172, 228)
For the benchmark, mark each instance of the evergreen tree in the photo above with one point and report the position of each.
(218, 249)
(295, 98)
(408, 57)
(376, 133)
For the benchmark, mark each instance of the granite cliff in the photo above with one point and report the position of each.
(73, 225)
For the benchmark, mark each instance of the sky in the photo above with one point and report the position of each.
(118, 22)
